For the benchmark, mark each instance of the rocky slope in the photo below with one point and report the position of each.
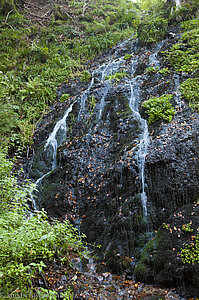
(96, 181)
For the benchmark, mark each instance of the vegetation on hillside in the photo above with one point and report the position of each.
(36, 59)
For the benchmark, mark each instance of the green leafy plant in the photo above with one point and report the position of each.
(64, 97)
(190, 253)
(127, 56)
(28, 244)
(164, 71)
(183, 56)
(159, 108)
(190, 91)
(86, 75)
(152, 30)
(151, 70)
(187, 227)
(116, 77)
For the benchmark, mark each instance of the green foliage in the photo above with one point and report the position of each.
(159, 108)
(189, 25)
(116, 77)
(64, 97)
(184, 55)
(86, 75)
(190, 91)
(10, 191)
(186, 11)
(164, 71)
(152, 30)
(187, 227)
(190, 253)
(151, 70)
(35, 60)
(127, 56)
(53, 295)
(28, 244)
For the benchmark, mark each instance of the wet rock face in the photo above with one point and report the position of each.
(172, 164)
(96, 182)
(92, 180)
(160, 261)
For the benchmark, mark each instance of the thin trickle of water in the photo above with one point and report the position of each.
(84, 97)
(102, 102)
(153, 60)
(144, 138)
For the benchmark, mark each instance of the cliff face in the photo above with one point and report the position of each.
(97, 180)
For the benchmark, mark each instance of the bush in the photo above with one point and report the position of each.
(183, 56)
(28, 244)
(190, 91)
(159, 108)
(152, 30)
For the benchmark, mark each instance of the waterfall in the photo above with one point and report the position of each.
(144, 138)
(56, 137)
(153, 60)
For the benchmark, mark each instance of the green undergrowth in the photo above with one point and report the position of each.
(190, 91)
(28, 244)
(184, 57)
(35, 59)
(159, 108)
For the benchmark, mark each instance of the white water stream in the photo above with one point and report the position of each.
(144, 137)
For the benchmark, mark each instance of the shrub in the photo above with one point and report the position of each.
(183, 56)
(152, 30)
(190, 91)
(28, 244)
(159, 108)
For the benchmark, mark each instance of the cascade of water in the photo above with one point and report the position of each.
(52, 141)
(51, 145)
(84, 96)
(153, 60)
(144, 139)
